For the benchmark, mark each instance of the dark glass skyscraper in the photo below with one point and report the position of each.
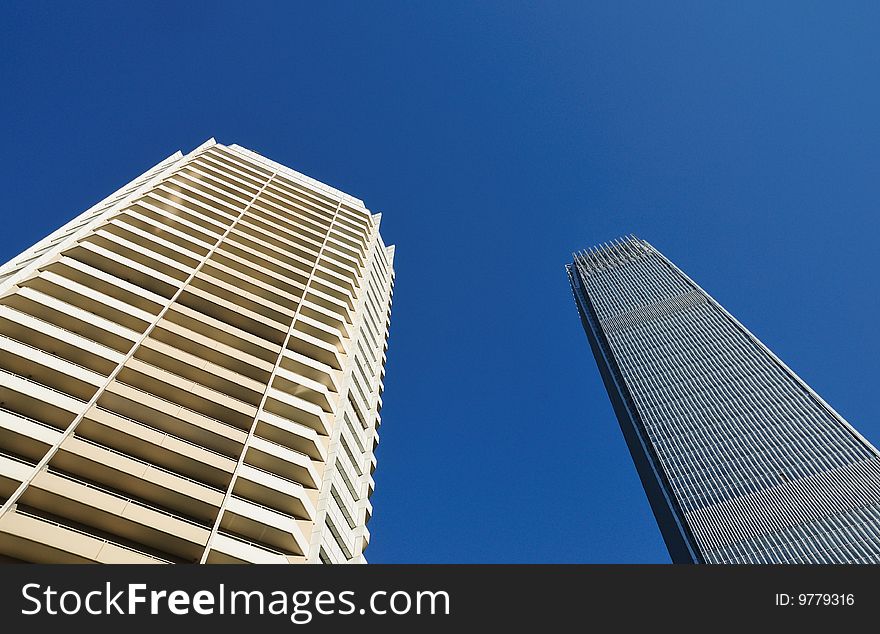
(741, 461)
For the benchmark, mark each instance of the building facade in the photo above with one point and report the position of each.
(192, 371)
(741, 461)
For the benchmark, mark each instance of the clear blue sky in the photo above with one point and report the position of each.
(742, 139)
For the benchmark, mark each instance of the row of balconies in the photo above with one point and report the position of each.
(288, 222)
(224, 182)
(91, 299)
(56, 316)
(253, 175)
(33, 538)
(339, 291)
(304, 203)
(268, 220)
(174, 208)
(253, 479)
(257, 283)
(57, 341)
(196, 386)
(223, 207)
(145, 375)
(292, 194)
(150, 505)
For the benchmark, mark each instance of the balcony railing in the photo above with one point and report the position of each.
(43, 385)
(144, 462)
(92, 536)
(163, 432)
(51, 354)
(125, 498)
(250, 543)
(178, 405)
(31, 420)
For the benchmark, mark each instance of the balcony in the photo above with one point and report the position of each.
(70, 318)
(185, 211)
(292, 435)
(58, 341)
(116, 514)
(264, 214)
(362, 538)
(368, 511)
(282, 282)
(358, 404)
(153, 242)
(243, 252)
(109, 283)
(104, 307)
(304, 388)
(328, 302)
(122, 259)
(170, 230)
(353, 244)
(298, 410)
(209, 201)
(288, 224)
(264, 525)
(330, 288)
(343, 244)
(334, 254)
(349, 469)
(348, 507)
(294, 242)
(176, 220)
(340, 269)
(232, 313)
(272, 491)
(260, 286)
(172, 418)
(314, 348)
(356, 217)
(299, 202)
(49, 370)
(187, 393)
(38, 402)
(264, 251)
(39, 540)
(244, 295)
(282, 461)
(319, 330)
(247, 179)
(140, 440)
(302, 365)
(227, 549)
(356, 222)
(210, 189)
(25, 436)
(326, 317)
(340, 533)
(154, 485)
(197, 369)
(13, 471)
(207, 330)
(222, 180)
(246, 171)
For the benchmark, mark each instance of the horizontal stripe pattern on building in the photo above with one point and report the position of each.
(192, 371)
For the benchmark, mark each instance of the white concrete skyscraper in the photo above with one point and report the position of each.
(192, 371)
